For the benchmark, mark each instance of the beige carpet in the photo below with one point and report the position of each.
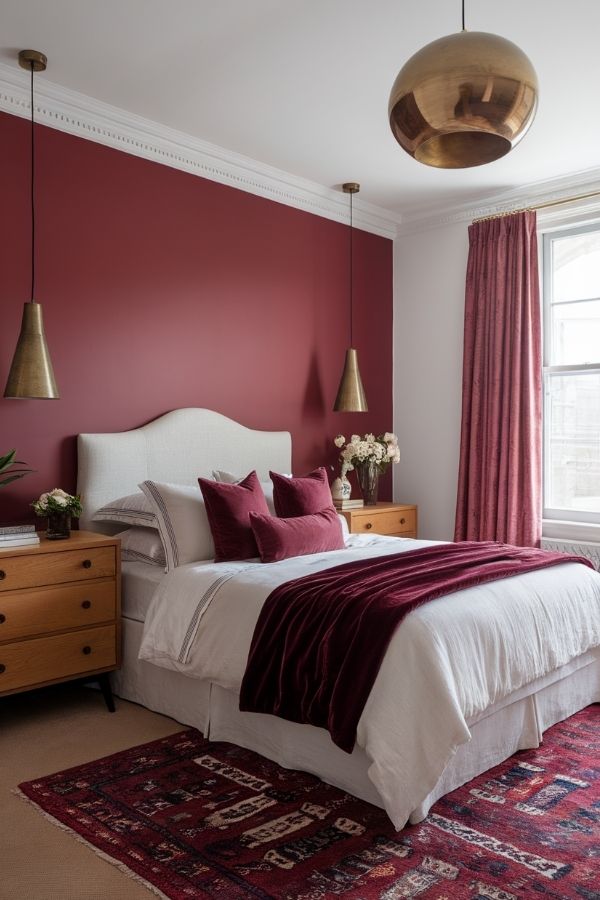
(43, 732)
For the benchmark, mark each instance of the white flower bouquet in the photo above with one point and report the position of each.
(56, 502)
(380, 450)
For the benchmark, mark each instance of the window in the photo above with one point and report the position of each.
(571, 260)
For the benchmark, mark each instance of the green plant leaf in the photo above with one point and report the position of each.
(7, 461)
(10, 478)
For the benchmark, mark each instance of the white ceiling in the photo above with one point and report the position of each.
(303, 85)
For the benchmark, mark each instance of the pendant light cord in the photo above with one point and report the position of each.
(463, 15)
(32, 194)
(351, 270)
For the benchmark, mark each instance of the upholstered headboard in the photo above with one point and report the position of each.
(177, 447)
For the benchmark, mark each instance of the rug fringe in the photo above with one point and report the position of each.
(110, 859)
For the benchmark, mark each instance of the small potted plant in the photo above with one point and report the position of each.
(58, 507)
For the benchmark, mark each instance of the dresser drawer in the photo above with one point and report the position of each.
(26, 613)
(392, 522)
(27, 663)
(55, 568)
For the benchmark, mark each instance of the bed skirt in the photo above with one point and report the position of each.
(516, 723)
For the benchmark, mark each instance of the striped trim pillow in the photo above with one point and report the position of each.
(134, 509)
(142, 545)
(182, 522)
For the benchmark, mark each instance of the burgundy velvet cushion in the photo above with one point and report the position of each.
(302, 495)
(228, 507)
(282, 538)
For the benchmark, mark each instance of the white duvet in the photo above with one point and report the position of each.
(448, 661)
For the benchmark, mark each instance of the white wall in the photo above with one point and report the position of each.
(429, 288)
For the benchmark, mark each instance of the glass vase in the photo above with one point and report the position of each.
(59, 526)
(368, 480)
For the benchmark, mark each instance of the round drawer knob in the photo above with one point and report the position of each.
(87, 564)
(86, 604)
(87, 650)
(2, 618)
(369, 525)
(2, 574)
(402, 521)
(2, 668)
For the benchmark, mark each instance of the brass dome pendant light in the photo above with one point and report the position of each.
(31, 374)
(463, 100)
(351, 394)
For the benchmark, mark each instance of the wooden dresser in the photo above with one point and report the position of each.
(394, 519)
(60, 614)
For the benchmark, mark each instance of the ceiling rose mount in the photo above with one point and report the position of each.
(33, 59)
(464, 100)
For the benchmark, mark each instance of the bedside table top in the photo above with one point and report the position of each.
(380, 506)
(77, 541)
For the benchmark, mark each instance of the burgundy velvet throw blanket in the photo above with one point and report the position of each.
(319, 640)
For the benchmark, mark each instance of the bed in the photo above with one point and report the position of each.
(185, 444)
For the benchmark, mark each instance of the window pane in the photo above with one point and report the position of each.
(576, 266)
(573, 442)
(575, 333)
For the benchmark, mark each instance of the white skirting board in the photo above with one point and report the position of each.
(517, 723)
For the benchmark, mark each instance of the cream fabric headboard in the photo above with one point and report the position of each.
(177, 447)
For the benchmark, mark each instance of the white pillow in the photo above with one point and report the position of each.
(182, 522)
(230, 478)
(142, 545)
(132, 510)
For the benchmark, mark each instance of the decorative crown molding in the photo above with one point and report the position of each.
(83, 116)
(562, 188)
(75, 113)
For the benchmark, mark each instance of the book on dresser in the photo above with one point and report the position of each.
(12, 536)
(16, 529)
(348, 504)
(32, 541)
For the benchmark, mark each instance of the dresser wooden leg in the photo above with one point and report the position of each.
(104, 682)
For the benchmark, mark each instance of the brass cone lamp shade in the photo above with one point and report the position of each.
(464, 100)
(351, 394)
(31, 374)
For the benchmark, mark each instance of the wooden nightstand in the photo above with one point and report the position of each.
(394, 519)
(60, 613)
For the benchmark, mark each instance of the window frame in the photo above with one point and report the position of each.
(549, 513)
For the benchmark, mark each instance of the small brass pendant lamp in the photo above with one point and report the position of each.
(351, 394)
(31, 374)
(464, 100)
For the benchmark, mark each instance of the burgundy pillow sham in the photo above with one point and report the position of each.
(297, 536)
(301, 495)
(228, 507)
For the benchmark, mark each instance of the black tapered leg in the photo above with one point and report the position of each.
(104, 682)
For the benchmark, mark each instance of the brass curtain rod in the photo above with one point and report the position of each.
(512, 212)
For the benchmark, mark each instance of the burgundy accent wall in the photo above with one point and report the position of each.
(163, 290)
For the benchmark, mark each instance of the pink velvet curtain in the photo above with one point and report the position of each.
(499, 484)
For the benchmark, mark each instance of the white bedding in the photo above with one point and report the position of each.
(448, 662)
(139, 580)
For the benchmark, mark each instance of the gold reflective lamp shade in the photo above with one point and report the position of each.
(351, 394)
(464, 100)
(31, 374)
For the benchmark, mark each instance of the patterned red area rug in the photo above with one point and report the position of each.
(197, 820)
